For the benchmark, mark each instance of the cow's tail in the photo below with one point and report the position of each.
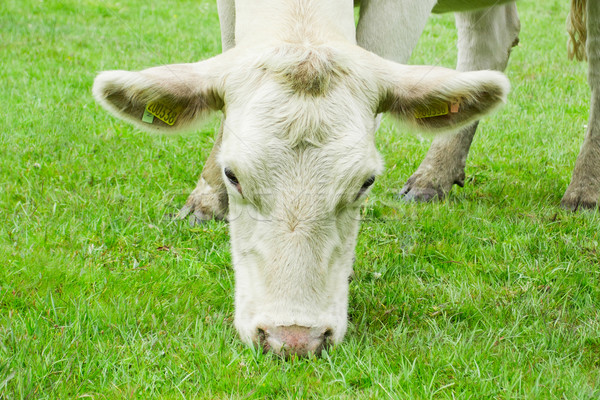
(576, 26)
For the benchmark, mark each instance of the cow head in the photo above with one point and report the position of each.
(298, 158)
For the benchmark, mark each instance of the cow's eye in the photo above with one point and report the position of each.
(368, 183)
(233, 179)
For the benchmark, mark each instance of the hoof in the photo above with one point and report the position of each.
(204, 203)
(420, 195)
(426, 188)
(194, 216)
(575, 203)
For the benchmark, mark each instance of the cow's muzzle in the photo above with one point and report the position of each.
(294, 340)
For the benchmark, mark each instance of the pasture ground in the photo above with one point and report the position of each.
(493, 293)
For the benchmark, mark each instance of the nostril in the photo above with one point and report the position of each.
(262, 335)
(327, 340)
(262, 339)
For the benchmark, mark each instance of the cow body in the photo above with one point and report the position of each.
(295, 153)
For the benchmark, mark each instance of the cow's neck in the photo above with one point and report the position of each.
(260, 22)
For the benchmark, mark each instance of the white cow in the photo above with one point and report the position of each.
(297, 153)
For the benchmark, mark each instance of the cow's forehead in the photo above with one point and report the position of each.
(273, 127)
(309, 83)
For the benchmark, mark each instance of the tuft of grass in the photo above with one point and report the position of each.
(491, 293)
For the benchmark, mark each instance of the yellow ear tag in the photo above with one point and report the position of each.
(432, 111)
(163, 112)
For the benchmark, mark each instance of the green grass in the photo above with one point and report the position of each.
(493, 293)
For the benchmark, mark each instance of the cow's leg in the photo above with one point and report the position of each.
(209, 199)
(391, 28)
(485, 39)
(584, 190)
(226, 9)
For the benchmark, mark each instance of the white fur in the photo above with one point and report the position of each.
(300, 100)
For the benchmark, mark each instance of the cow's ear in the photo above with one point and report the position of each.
(169, 98)
(433, 99)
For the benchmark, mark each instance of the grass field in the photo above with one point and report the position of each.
(493, 293)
